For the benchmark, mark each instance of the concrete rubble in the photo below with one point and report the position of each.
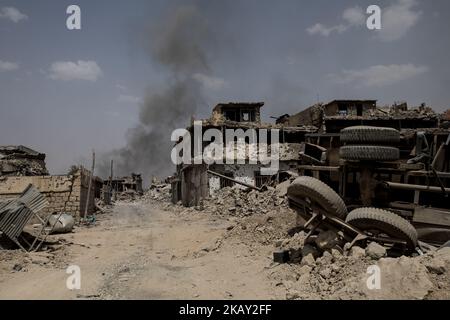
(21, 161)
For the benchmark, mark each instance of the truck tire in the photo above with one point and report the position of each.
(374, 153)
(370, 135)
(385, 222)
(319, 193)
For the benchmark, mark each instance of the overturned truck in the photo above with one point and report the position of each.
(381, 184)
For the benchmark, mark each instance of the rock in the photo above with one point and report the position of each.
(357, 252)
(337, 255)
(304, 281)
(40, 257)
(326, 240)
(17, 267)
(436, 266)
(304, 270)
(375, 251)
(326, 258)
(308, 260)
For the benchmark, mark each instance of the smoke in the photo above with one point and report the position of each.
(178, 44)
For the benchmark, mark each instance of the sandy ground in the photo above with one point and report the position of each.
(141, 252)
(147, 249)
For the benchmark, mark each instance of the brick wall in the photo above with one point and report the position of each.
(61, 191)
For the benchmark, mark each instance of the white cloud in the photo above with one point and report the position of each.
(379, 75)
(121, 87)
(397, 19)
(80, 70)
(129, 99)
(354, 16)
(8, 66)
(13, 14)
(325, 31)
(209, 82)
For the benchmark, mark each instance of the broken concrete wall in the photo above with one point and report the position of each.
(64, 193)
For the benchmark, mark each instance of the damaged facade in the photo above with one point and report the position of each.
(21, 161)
(195, 182)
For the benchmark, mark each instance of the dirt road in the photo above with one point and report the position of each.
(147, 249)
(141, 252)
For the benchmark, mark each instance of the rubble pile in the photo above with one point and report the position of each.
(127, 196)
(240, 203)
(21, 161)
(334, 275)
(229, 201)
(159, 192)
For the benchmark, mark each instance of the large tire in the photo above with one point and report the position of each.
(317, 191)
(370, 135)
(371, 153)
(384, 221)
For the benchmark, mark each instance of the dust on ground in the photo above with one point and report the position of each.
(223, 249)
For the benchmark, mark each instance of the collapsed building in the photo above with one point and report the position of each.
(131, 183)
(21, 161)
(122, 188)
(393, 157)
(64, 193)
(194, 182)
(311, 136)
(21, 166)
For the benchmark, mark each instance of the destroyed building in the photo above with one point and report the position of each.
(21, 161)
(125, 184)
(339, 114)
(197, 181)
(64, 193)
(21, 166)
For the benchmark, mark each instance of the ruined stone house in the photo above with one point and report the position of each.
(193, 182)
(21, 161)
(21, 166)
(65, 193)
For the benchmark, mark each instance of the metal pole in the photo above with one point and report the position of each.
(90, 185)
(415, 187)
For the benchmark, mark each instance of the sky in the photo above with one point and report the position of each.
(65, 92)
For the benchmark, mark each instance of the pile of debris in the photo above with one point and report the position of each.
(235, 201)
(159, 192)
(229, 201)
(402, 110)
(334, 275)
(21, 161)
